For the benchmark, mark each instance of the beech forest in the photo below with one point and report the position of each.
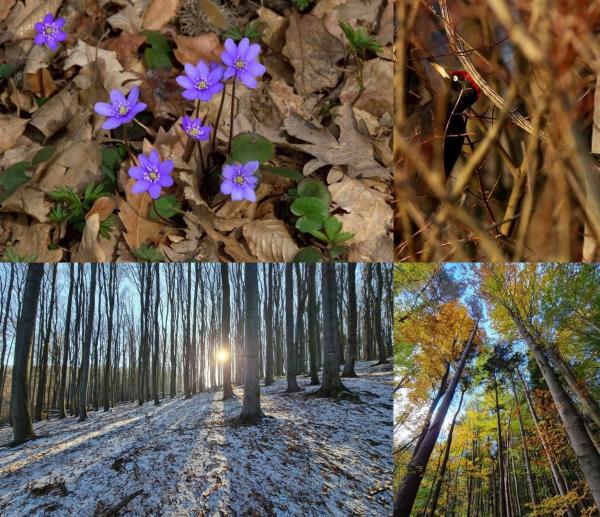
(497, 390)
(133, 389)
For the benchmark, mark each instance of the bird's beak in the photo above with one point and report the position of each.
(440, 70)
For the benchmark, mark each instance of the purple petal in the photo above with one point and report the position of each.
(205, 95)
(60, 22)
(252, 52)
(154, 191)
(139, 187)
(39, 27)
(166, 181)
(237, 193)
(165, 167)
(249, 193)
(229, 171)
(243, 47)
(48, 18)
(190, 95)
(111, 123)
(138, 108)
(133, 96)
(154, 158)
(144, 162)
(60, 36)
(202, 69)
(227, 58)
(216, 88)
(116, 97)
(248, 80)
(137, 173)
(256, 69)
(216, 75)
(226, 187)
(104, 109)
(40, 39)
(231, 47)
(185, 82)
(229, 72)
(52, 44)
(250, 167)
(191, 72)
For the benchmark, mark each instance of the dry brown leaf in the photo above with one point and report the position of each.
(57, 112)
(5, 8)
(110, 69)
(30, 201)
(33, 240)
(378, 76)
(206, 47)
(354, 149)
(285, 100)
(40, 83)
(103, 206)
(38, 57)
(133, 211)
(159, 14)
(274, 27)
(125, 45)
(269, 241)
(11, 129)
(369, 217)
(314, 54)
(128, 20)
(89, 249)
(77, 166)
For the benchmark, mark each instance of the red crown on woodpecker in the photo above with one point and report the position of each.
(467, 76)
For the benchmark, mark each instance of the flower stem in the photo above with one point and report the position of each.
(214, 137)
(127, 148)
(201, 158)
(164, 220)
(231, 117)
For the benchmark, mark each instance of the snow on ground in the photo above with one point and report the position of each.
(314, 457)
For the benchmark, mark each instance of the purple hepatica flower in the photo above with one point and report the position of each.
(241, 61)
(49, 32)
(121, 110)
(151, 175)
(200, 82)
(194, 129)
(239, 181)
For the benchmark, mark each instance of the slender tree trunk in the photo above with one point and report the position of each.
(85, 358)
(225, 332)
(251, 412)
(438, 488)
(352, 323)
(269, 330)
(585, 451)
(20, 412)
(66, 345)
(44, 359)
(502, 498)
(312, 325)
(156, 337)
(379, 334)
(110, 299)
(406, 495)
(292, 384)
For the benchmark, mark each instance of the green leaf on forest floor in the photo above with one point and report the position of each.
(165, 207)
(12, 178)
(248, 147)
(148, 254)
(312, 213)
(314, 188)
(158, 55)
(283, 172)
(310, 254)
(43, 155)
(5, 71)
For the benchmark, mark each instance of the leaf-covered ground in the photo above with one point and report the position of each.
(314, 457)
(324, 103)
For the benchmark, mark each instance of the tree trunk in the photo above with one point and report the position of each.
(66, 344)
(225, 332)
(20, 413)
(44, 359)
(269, 330)
(3, 368)
(156, 338)
(292, 384)
(312, 325)
(587, 455)
(352, 323)
(501, 466)
(251, 412)
(405, 497)
(379, 337)
(85, 358)
(110, 299)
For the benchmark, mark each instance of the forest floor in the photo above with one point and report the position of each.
(313, 457)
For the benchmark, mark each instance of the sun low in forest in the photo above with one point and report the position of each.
(187, 389)
(497, 396)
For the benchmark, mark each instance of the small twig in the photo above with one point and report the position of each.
(231, 116)
(214, 138)
(114, 510)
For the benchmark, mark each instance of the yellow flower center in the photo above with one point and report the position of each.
(194, 131)
(202, 85)
(239, 64)
(153, 176)
(49, 30)
(123, 109)
(239, 179)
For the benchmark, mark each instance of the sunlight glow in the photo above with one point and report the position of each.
(222, 355)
